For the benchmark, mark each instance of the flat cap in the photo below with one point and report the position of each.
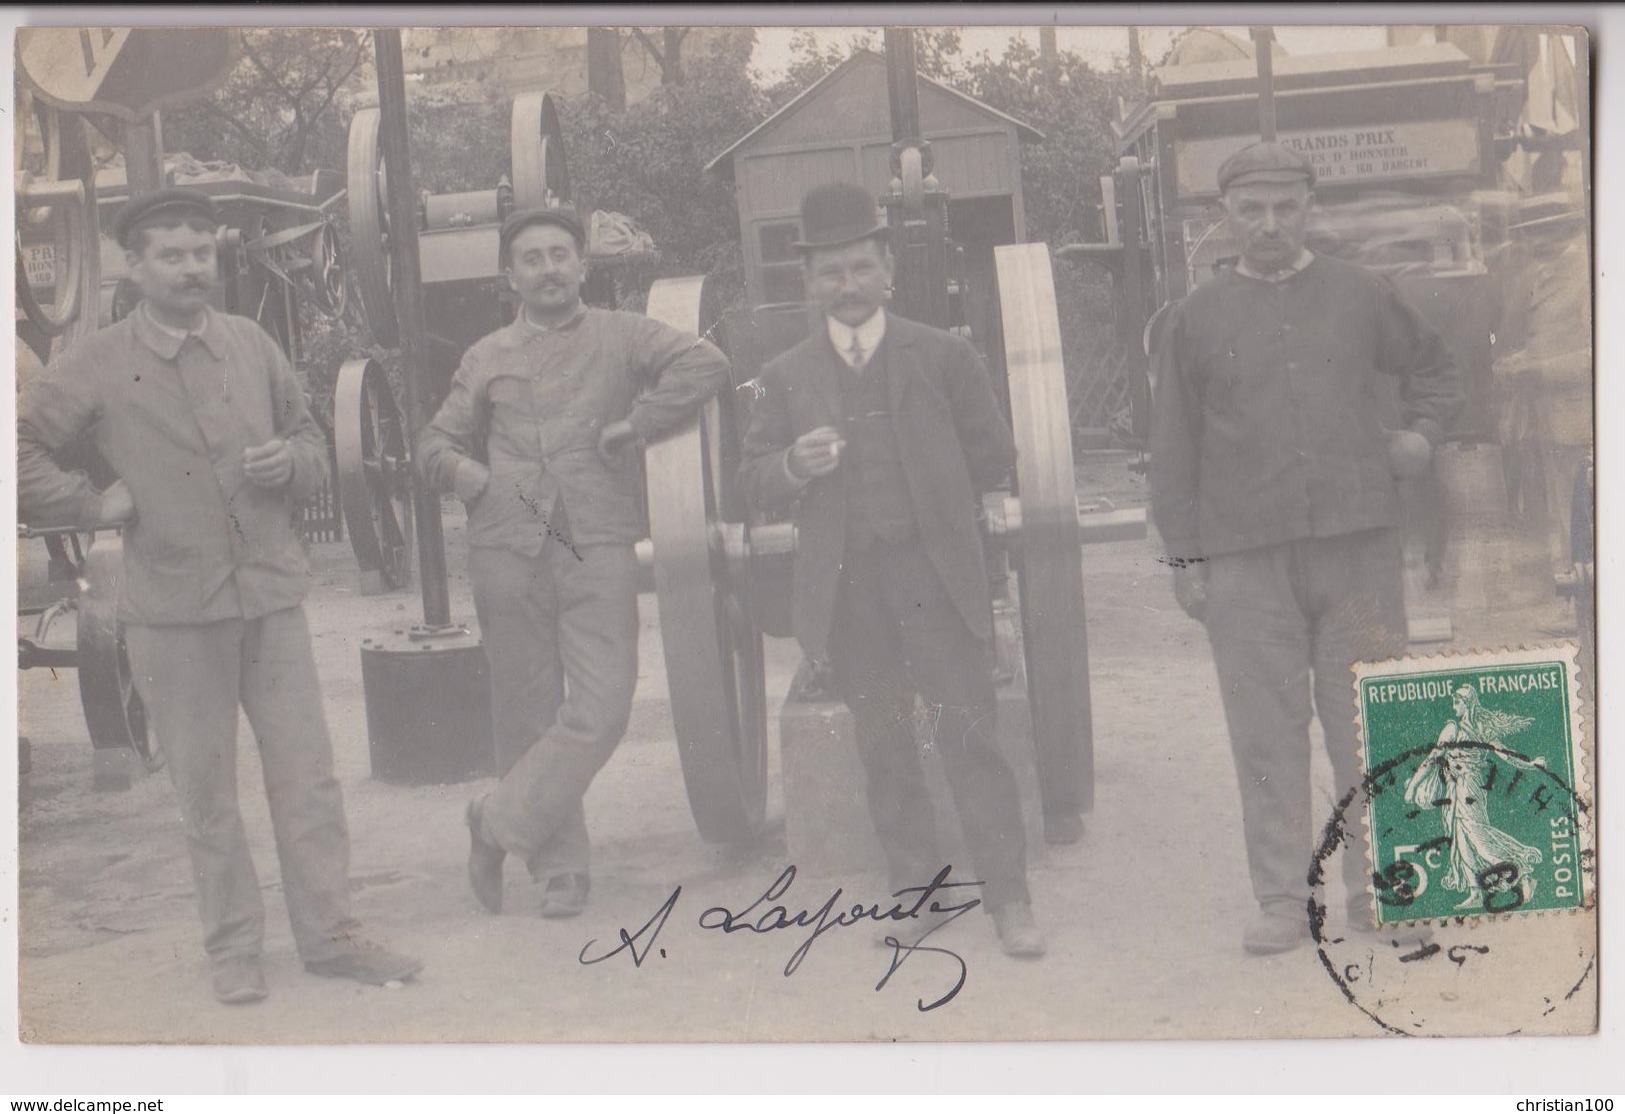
(522, 219)
(1264, 161)
(140, 211)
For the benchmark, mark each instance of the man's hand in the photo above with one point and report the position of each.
(1409, 454)
(1190, 589)
(118, 505)
(614, 439)
(470, 478)
(268, 465)
(816, 453)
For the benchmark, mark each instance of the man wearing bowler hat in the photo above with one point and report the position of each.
(535, 437)
(1274, 485)
(883, 432)
(200, 416)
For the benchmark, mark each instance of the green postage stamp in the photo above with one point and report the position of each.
(1476, 784)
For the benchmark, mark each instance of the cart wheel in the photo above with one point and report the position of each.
(374, 471)
(113, 709)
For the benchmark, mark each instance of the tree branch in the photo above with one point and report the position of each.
(265, 71)
(648, 44)
(235, 125)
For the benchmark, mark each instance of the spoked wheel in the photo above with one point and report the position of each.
(113, 709)
(713, 646)
(375, 471)
(369, 226)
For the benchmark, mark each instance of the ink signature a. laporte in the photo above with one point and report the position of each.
(918, 912)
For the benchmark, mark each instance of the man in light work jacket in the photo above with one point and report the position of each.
(883, 432)
(202, 419)
(1274, 487)
(558, 399)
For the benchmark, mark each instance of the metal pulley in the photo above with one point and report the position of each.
(374, 471)
(1049, 566)
(713, 649)
(706, 565)
(369, 226)
(58, 248)
(541, 177)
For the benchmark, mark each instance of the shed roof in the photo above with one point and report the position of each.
(723, 163)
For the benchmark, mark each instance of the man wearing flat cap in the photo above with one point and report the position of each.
(1274, 486)
(535, 437)
(883, 432)
(199, 414)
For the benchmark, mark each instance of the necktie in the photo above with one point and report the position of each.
(854, 355)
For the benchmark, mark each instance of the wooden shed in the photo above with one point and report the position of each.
(839, 129)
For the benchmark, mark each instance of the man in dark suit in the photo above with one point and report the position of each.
(882, 432)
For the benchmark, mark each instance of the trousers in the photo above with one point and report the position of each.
(192, 680)
(897, 634)
(1287, 623)
(561, 631)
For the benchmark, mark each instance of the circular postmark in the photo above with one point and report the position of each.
(1452, 894)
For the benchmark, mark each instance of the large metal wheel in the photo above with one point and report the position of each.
(368, 198)
(375, 471)
(69, 227)
(113, 709)
(713, 648)
(541, 177)
(1049, 559)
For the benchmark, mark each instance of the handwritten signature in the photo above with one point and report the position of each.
(934, 905)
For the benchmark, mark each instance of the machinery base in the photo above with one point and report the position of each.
(827, 826)
(428, 708)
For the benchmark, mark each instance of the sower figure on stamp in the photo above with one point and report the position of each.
(202, 419)
(554, 403)
(1274, 487)
(883, 432)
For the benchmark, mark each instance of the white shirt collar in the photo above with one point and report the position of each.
(868, 334)
(1305, 257)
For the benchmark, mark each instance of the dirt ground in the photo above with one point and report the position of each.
(1143, 917)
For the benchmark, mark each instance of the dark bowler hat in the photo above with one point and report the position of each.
(836, 214)
(518, 221)
(141, 211)
(1265, 161)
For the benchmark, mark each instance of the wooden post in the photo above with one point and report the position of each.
(408, 290)
(1263, 39)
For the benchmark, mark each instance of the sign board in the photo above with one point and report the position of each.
(129, 73)
(1348, 155)
(39, 263)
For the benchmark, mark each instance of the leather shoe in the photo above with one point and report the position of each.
(238, 980)
(1018, 932)
(1063, 829)
(565, 896)
(1271, 933)
(484, 860)
(367, 962)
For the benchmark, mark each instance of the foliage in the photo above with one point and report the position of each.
(648, 161)
(279, 107)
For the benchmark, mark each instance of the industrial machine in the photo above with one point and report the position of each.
(704, 557)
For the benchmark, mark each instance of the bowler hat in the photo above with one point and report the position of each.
(522, 219)
(141, 211)
(836, 214)
(1265, 161)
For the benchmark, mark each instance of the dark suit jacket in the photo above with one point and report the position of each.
(954, 442)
